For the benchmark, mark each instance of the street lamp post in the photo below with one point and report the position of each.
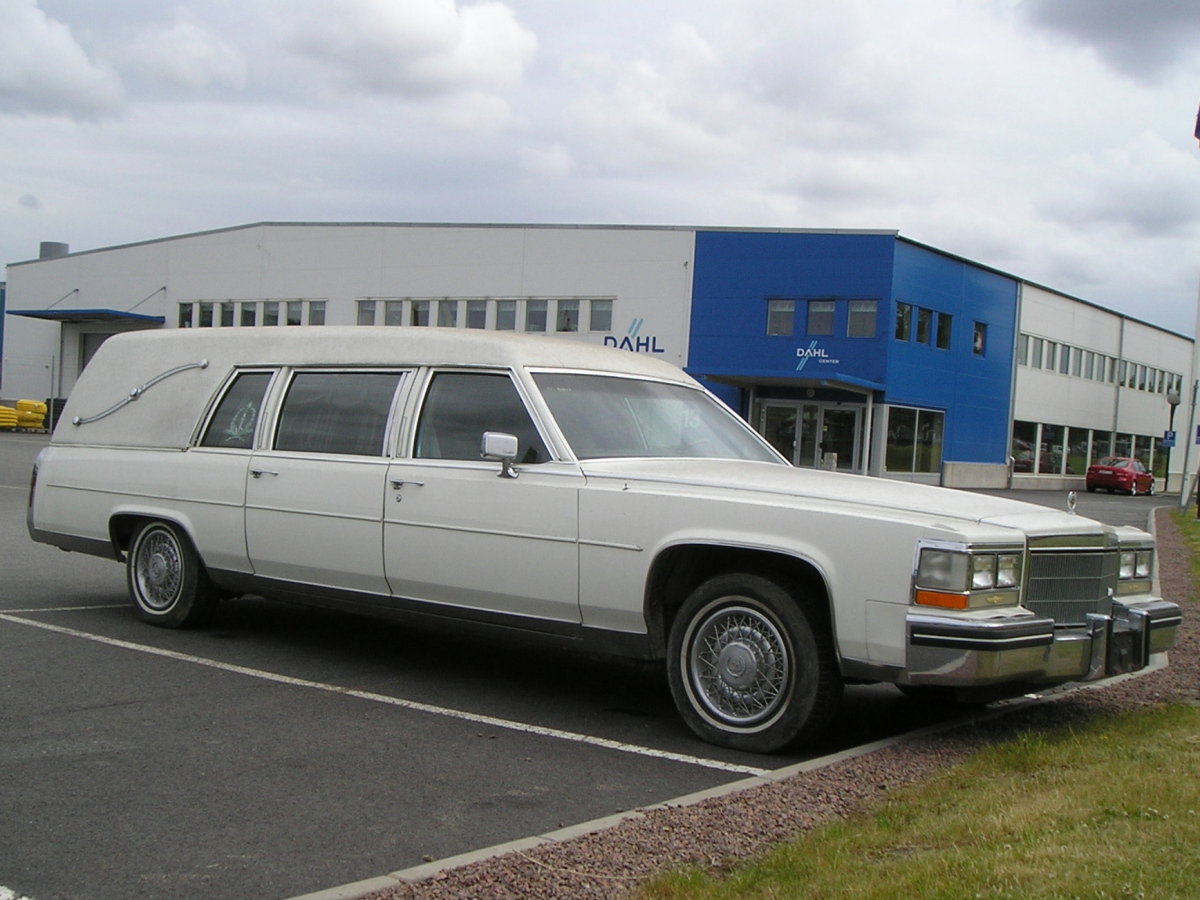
(1173, 402)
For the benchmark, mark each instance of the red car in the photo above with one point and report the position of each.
(1120, 473)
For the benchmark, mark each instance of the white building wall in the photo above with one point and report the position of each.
(1049, 396)
(647, 272)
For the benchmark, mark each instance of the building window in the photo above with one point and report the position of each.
(1050, 457)
(185, 315)
(295, 312)
(914, 440)
(366, 312)
(1023, 350)
(477, 314)
(535, 315)
(271, 312)
(903, 321)
(979, 339)
(601, 316)
(861, 320)
(944, 329)
(924, 325)
(1024, 440)
(781, 315)
(506, 315)
(1050, 359)
(249, 315)
(568, 316)
(227, 314)
(418, 314)
(447, 313)
(820, 317)
(316, 312)
(393, 312)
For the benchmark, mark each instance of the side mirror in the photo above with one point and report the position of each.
(500, 447)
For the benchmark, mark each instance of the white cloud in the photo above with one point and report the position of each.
(417, 48)
(188, 56)
(1140, 39)
(553, 162)
(44, 70)
(972, 126)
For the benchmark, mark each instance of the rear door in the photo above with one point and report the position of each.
(314, 498)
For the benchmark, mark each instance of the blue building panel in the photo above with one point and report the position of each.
(936, 364)
(738, 273)
(973, 385)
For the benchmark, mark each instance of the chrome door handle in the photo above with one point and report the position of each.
(396, 485)
(259, 473)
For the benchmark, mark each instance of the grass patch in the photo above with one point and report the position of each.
(1189, 528)
(1108, 810)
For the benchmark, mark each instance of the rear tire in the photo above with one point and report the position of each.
(750, 666)
(166, 579)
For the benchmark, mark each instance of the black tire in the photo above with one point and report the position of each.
(166, 579)
(750, 666)
(1091, 488)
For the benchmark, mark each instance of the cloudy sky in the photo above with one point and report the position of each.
(1049, 138)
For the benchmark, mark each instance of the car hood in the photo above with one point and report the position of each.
(874, 494)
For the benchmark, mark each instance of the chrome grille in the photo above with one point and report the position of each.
(1066, 585)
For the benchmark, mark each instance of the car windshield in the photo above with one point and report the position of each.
(604, 416)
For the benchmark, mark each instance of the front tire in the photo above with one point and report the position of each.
(166, 579)
(750, 667)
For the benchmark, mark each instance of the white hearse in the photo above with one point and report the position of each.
(589, 494)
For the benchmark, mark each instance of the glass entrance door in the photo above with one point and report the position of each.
(806, 432)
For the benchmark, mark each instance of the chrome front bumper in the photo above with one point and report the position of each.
(966, 653)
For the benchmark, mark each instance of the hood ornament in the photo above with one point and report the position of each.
(1072, 499)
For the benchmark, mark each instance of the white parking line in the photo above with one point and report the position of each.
(462, 715)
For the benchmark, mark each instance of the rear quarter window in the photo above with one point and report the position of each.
(236, 416)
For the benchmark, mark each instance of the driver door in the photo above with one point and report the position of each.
(458, 533)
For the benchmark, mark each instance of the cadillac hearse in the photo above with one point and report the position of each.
(599, 497)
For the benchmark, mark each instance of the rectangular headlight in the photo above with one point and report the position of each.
(942, 570)
(1145, 564)
(983, 572)
(1008, 570)
(1128, 564)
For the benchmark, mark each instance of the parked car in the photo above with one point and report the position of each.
(596, 497)
(1120, 473)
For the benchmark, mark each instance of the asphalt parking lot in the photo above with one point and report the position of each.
(283, 750)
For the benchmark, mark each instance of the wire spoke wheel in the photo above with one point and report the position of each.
(739, 665)
(751, 663)
(167, 580)
(158, 570)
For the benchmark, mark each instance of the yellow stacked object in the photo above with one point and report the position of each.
(29, 414)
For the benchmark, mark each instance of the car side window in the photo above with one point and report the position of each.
(461, 406)
(236, 416)
(337, 412)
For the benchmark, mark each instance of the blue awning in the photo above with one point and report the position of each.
(86, 315)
